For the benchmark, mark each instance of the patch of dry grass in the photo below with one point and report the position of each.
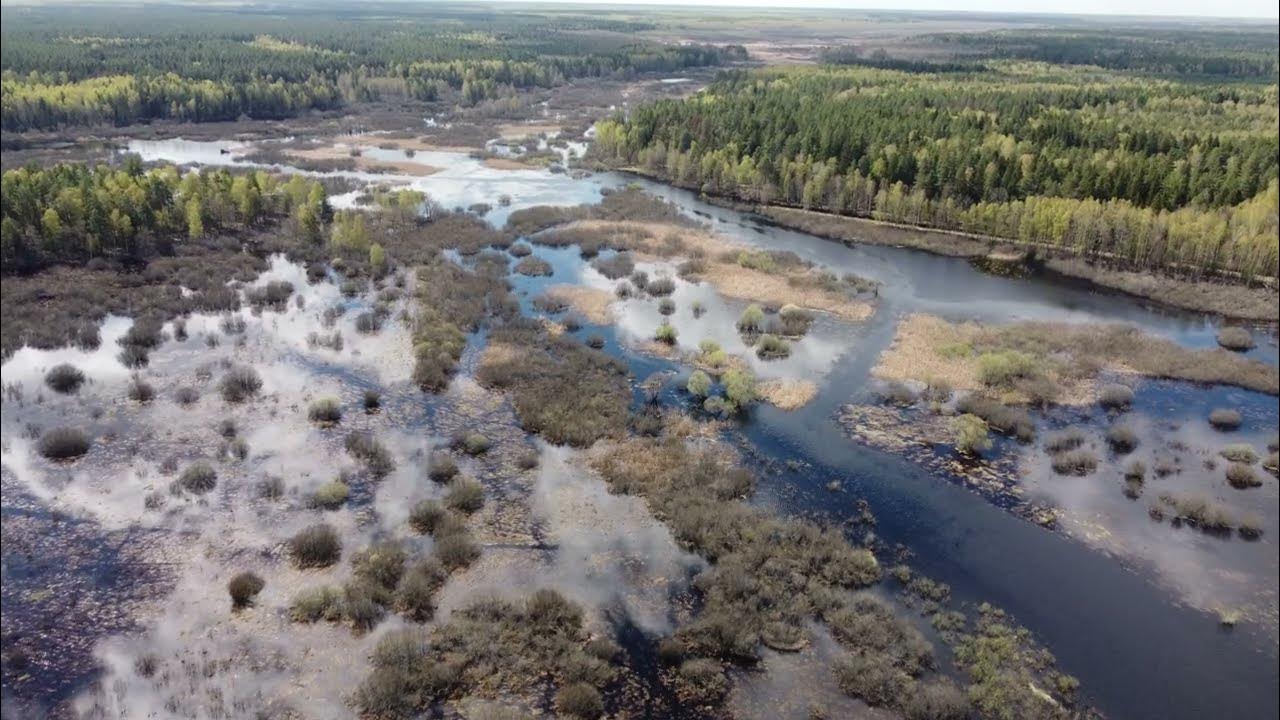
(591, 303)
(787, 393)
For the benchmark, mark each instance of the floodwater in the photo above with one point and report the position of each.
(1124, 611)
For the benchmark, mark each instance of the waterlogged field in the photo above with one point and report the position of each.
(748, 515)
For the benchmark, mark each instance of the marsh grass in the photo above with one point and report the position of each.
(1225, 419)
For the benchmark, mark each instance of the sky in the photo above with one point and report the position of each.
(1200, 8)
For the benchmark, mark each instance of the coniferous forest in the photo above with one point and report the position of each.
(1156, 172)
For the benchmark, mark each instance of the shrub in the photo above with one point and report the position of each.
(615, 267)
(330, 496)
(872, 678)
(1122, 439)
(322, 603)
(1250, 526)
(1115, 397)
(699, 384)
(1225, 418)
(456, 551)
(465, 495)
(595, 341)
(141, 391)
(1242, 476)
(897, 393)
(240, 384)
(441, 467)
(315, 546)
(1136, 470)
(199, 477)
(1239, 453)
(232, 324)
(271, 487)
(372, 400)
(794, 321)
(772, 347)
(244, 587)
(325, 411)
(579, 700)
(227, 428)
(381, 565)
(428, 516)
(660, 286)
(971, 436)
(667, 306)
(520, 250)
(472, 443)
(701, 682)
(1002, 418)
(533, 266)
(740, 387)
(368, 323)
(1074, 462)
(666, 334)
(938, 699)
(1237, 339)
(751, 320)
(415, 597)
(64, 378)
(64, 443)
(1004, 367)
(186, 395)
(1199, 511)
(365, 448)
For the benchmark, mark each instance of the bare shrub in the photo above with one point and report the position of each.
(64, 443)
(64, 378)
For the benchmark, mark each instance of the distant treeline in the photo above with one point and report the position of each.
(1234, 54)
(124, 65)
(75, 212)
(1157, 173)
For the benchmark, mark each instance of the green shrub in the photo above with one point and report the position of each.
(1007, 420)
(772, 347)
(315, 546)
(666, 333)
(794, 321)
(243, 588)
(740, 387)
(1002, 368)
(701, 682)
(64, 443)
(971, 436)
(937, 699)
(751, 320)
(699, 384)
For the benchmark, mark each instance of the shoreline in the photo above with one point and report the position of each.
(1230, 300)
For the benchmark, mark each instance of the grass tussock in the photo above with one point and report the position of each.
(1225, 419)
(1241, 476)
(375, 456)
(1005, 419)
(199, 477)
(325, 411)
(240, 384)
(1080, 461)
(1236, 339)
(330, 496)
(1122, 439)
(532, 266)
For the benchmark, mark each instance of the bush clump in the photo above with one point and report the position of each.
(665, 334)
(315, 604)
(579, 700)
(64, 378)
(1115, 397)
(772, 347)
(64, 443)
(472, 443)
(141, 391)
(240, 384)
(971, 436)
(1004, 419)
(1225, 419)
(1003, 368)
(794, 321)
(616, 266)
(243, 588)
(1068, 439)
(1080, 461)
(1122, 439)
(1242, 476)
(1236, 339)
(325, 411)
(199, 477)
(415, 597)
(465, 495)
(330, 496)
(660, 286)
(533, 266)
(751, 321)
(1239, 453)
(456, 551)
(315, 546)
(428, 516)
(698, 384)
(373, 454)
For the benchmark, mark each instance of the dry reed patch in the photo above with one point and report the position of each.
(503, 163)
(787, 393)
(519, 131)
(367, 164)
(592, 303)
(651, 241)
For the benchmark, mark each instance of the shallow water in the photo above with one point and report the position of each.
(1123, 627)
